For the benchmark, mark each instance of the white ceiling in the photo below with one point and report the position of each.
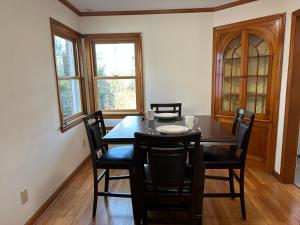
(122, 5)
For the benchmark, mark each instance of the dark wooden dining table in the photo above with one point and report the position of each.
(212, 132)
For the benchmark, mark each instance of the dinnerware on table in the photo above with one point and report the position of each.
(190, 121)
(150, 115)
(172, 129)
(166, 115)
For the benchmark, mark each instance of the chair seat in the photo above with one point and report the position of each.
(220, 157)
(120, 157)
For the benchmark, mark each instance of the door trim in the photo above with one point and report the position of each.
(292, 114)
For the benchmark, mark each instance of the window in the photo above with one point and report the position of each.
(66, 43)
(116, 70)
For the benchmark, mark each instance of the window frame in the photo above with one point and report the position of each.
(91, 41)
(60, 30)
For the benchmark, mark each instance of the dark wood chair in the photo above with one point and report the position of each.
(166, 108)
(165, 181)
(231, 157)
(120, 157)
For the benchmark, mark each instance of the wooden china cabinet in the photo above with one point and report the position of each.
(247, 74)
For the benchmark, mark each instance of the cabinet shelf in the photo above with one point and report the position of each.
(258, 75)
(258, 94)
(228, 77)
(260, 56)
(228, 59)
(248, 94)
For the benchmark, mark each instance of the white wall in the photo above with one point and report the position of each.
(259, 9)
(177, 55)
(34, 154)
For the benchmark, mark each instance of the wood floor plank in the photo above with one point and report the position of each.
(268, 202)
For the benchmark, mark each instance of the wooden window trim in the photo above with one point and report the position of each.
(61, 30)
(93, 39)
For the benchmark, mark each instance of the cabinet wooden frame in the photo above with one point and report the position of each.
(90, 41)
(228, 32)
(292, 107)
(65, 32)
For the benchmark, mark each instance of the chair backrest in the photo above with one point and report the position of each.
(166, 107)
(95, 129)
(167, 157)
(242, 128)
(240, 115)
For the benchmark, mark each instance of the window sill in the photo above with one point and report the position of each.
(68, 125)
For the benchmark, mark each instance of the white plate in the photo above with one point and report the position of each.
(166, 115)
(172, 129)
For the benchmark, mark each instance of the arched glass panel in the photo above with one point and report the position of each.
(231, 75)
(258, 72)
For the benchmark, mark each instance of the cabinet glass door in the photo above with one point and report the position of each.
(231, 75)
(258, 72)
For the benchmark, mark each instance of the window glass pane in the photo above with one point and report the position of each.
(263, 49)
(250, 104)
(116, 94)
(70, 97)
(261, 104)
(236, 42)
(225, 102)
(251, 85)
(237, 53)
(236, 67)
(235, 88)
(226, 85)
(263, 68)
(254, 40)
(115, 59)
(64, 56)
(227, 67)
(252, 66)
(234, 102)
(262, 85)
(228, 53)
(252, 52)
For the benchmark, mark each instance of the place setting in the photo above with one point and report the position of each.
(174, 124)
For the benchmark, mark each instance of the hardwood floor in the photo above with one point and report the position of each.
(268, 202)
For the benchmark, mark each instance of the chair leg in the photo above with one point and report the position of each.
(145, 218)
(106, 180)
(231, 183)
(95, 196)
(242, 198)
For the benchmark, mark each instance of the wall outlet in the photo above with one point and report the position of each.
(24, 196)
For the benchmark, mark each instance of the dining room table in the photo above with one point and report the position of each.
(212, 132)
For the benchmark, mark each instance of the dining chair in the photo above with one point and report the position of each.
(166, 107)
(103, 157)
(231, 157)
(165, 182)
